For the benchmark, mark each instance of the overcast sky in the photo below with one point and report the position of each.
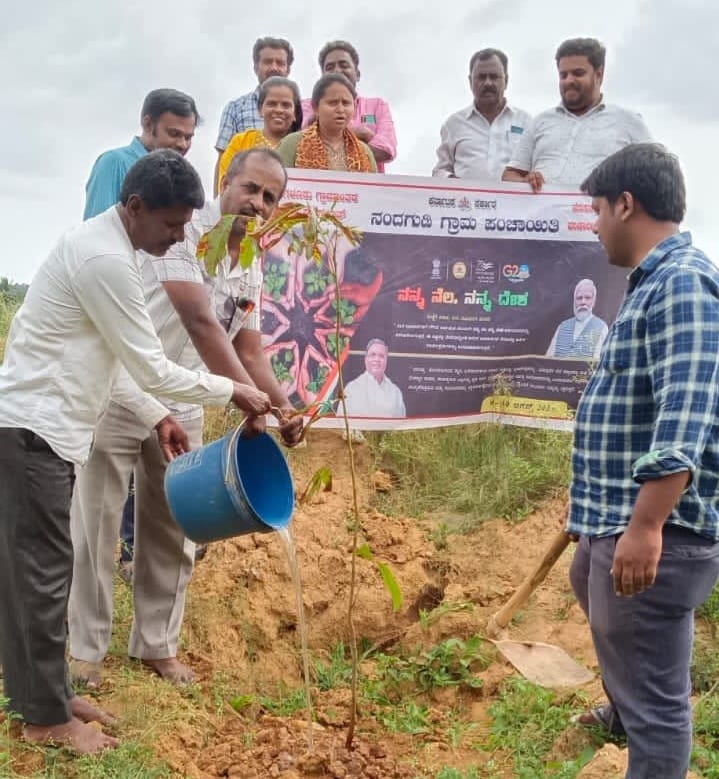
(74, 75)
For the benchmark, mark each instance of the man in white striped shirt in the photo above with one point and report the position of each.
(478, 141)
(199, 318)
(563, 145)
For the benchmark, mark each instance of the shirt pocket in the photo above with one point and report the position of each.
(620, 346)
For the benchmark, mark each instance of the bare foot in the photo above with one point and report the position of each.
(86, 712)
(74, 735)
(171, 670)
(84, 673)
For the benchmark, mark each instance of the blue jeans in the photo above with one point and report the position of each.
(644, 644)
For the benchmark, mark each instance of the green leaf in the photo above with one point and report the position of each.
(212, 246)
(321, 481)
(249, 252)
(364, 552)
(240, 702)
(391, 585)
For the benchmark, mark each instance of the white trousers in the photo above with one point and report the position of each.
(163, 557)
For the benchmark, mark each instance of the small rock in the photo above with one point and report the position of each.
(381, 481)
(337, 770)
(355, 767)
(285, 761)
(312, 763)
(265, 736)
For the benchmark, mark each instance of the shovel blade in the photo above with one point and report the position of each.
(544, 664)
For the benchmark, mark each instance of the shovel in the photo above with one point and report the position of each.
(543, 664)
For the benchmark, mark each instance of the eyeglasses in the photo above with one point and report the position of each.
(230, 308)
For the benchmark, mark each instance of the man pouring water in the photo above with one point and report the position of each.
(84, 316)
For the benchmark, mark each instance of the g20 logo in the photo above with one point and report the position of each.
(515, 273)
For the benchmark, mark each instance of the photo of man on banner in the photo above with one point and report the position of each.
(581, 336)
(373, 394)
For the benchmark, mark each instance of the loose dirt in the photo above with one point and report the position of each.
(240, 628)
(240, 636)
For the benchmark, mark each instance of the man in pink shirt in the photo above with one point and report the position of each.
(372, 121)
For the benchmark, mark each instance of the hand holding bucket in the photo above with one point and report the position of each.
(233, 486)
(251, 400)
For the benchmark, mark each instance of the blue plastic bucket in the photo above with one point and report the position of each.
(232, 486)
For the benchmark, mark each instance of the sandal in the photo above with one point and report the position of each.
(605, 717)
(85, 673)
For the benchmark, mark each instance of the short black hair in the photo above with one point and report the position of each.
(326, 81)
(590, 48)
(268, 42)
(649, 172)
(161, 101)
(281, 81)
(333, 46)
(163, 179)
(238, 161)
(485, 54)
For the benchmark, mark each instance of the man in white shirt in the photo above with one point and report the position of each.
(580, 337)
(563, 145)
(83, 316)
(478, 141)
(198, 317)
(372, 394)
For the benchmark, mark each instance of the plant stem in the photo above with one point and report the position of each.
(332, 263)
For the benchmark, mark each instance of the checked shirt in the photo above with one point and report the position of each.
(651, 408)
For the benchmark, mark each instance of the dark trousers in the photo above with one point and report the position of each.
(644, 644)
(127, 525)
(35, 574)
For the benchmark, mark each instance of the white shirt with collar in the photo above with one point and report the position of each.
(224, 292)
(565, 148)
(85, 314)
(471, 147)
(366, 397)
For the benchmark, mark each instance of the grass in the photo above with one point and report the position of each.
(478, 471)
(527, 720)
(8, 307)
(705, 756)
(709, 610)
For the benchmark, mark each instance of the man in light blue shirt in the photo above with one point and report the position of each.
(169, 119)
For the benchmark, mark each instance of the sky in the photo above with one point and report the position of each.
(75, 75)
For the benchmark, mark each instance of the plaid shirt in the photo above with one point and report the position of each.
(239, 115)
(651, 408)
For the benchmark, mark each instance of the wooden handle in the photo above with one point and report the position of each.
(501, 619)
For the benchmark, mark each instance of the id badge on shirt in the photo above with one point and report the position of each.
(368, 119)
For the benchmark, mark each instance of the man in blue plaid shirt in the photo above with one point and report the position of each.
(645, 488)
(270, 57)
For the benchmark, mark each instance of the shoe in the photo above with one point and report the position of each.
(605, 717)
(125, 570)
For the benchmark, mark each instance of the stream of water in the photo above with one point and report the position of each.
(288, 542)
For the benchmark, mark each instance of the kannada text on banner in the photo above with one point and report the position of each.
(472, 290)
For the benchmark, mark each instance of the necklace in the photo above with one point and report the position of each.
(336, 157)
(267, 142)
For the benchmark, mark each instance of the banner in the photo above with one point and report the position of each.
(461, 304)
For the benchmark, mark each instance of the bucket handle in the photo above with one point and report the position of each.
(230, 478)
